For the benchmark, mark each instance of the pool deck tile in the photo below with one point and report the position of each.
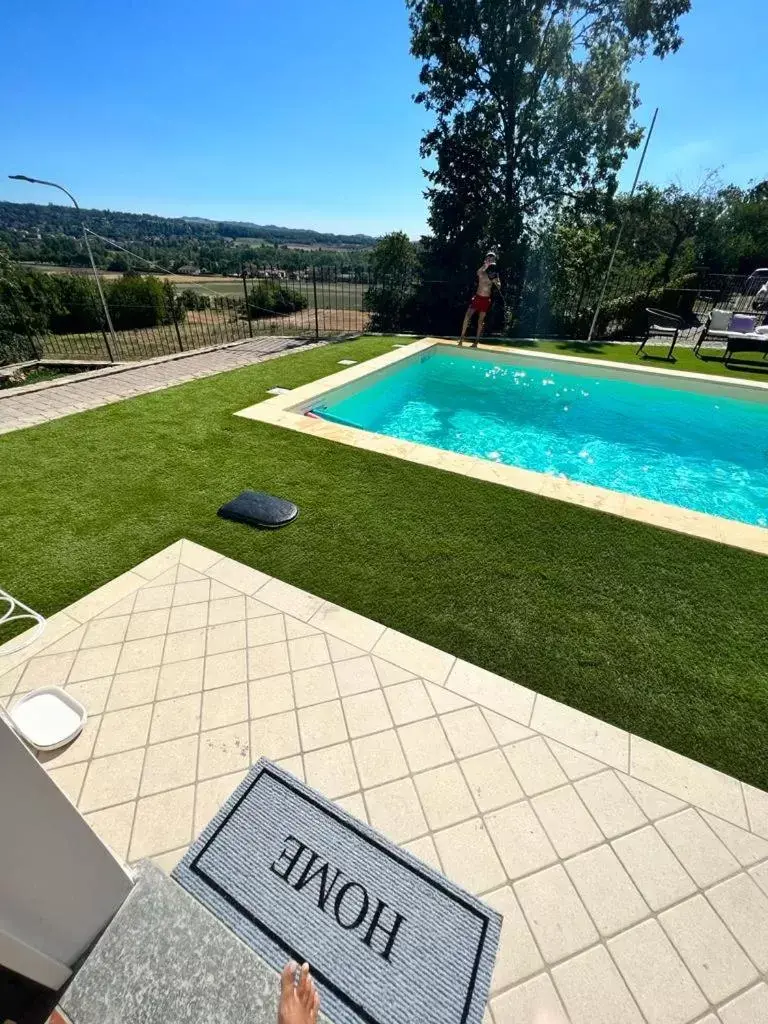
(625, 871)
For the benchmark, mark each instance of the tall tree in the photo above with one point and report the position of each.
(533, 105)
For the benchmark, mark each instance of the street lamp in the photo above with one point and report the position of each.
(39, 181)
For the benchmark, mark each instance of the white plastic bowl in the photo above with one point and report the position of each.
(48, 718)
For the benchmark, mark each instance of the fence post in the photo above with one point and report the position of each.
(176, 323)
(247, 304)
(314, 291)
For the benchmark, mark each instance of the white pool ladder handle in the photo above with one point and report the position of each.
(16, 612)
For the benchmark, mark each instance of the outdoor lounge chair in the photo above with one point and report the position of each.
(662, 324)
(737, 331)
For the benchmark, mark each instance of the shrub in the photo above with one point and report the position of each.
(270, 299)
(191, 299)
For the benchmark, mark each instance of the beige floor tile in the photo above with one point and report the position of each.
(414, 656)
(347, 625)
(224, 609)
(355, 805)
(69, 779)
(178, 716)
(657, 977)
(227, 636)
(757, 809)
(122, 607)
(111, 780)
(186, 575)
(425, 744)
(254, 609)
(80, 749)
(394, 809)
(275, 736)
(606, 889)
(709, 950)
(409, 702)
(103, 632)
(92, 693)
(505, 729)
(468, 856)
(179, 678)
(268, 660)
(749, 1008)
(379, 758)
(220, 590)
(426, 851)
(163, 822)
(491, 780)
(146, 624)
(760, 875)
(132, 688)
(235, 574)
(521, 841)
(653, 867)
(746, 847)
(593, 990)
(294, 765)
(566, 821)
(444, 796)
(610, 804)
(697, 847)
(535, 767)
(314, 685)
(266, 629)
(387, 673)
(138, 654)
(366, 713)
(9, 680)
(224, 706)
(744, 908)
(321, 725)
(153, 597)
(340, 650)
(535, 1000)
(196, 556)
(518, 956)
(332, 770)
(307, 652)
(90, 664)
(574, 764)
(467, 732)
(688, 780)
(191, 593)
(492, 691)
(123, 730)
(223, 751)
(555, 913)
(287, 598)
(295, 628)
(225, 669)
(184, 646)
(168, 861)
(210, 796)
(356, 676)
(113, 826)
(169, 765)
(582, 732)
(652, 802)
(270, 695)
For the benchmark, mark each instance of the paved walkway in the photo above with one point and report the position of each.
(633, 881)
(32, 408)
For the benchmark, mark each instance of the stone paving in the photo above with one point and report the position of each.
(35, 407)
(633, 881)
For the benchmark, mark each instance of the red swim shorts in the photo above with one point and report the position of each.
(481, 303)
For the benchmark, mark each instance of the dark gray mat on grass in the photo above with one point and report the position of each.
(389, 940)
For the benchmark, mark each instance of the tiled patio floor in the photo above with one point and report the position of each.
(633, 882)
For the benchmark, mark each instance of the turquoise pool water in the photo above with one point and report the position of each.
(695, 449)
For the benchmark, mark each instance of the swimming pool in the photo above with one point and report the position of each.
(697, 445)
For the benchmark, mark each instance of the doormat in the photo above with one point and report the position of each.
(389, 940)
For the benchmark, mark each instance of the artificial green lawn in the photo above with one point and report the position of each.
(656, 632)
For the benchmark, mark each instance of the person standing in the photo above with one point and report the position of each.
(487, 280)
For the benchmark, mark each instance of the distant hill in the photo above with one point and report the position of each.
(52, 219)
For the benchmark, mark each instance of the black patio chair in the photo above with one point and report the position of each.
(664, 325)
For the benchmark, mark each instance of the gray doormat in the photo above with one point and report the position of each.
(389, 940)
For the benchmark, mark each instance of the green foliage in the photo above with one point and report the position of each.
(189, 298)
(390, 297)
(268, 298)
(137, 300)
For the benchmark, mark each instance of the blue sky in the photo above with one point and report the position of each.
(300, 113)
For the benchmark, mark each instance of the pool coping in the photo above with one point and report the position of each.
(287, 411)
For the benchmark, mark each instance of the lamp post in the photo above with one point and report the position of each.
(39, 181)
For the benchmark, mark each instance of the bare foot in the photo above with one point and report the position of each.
(299, 1000)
